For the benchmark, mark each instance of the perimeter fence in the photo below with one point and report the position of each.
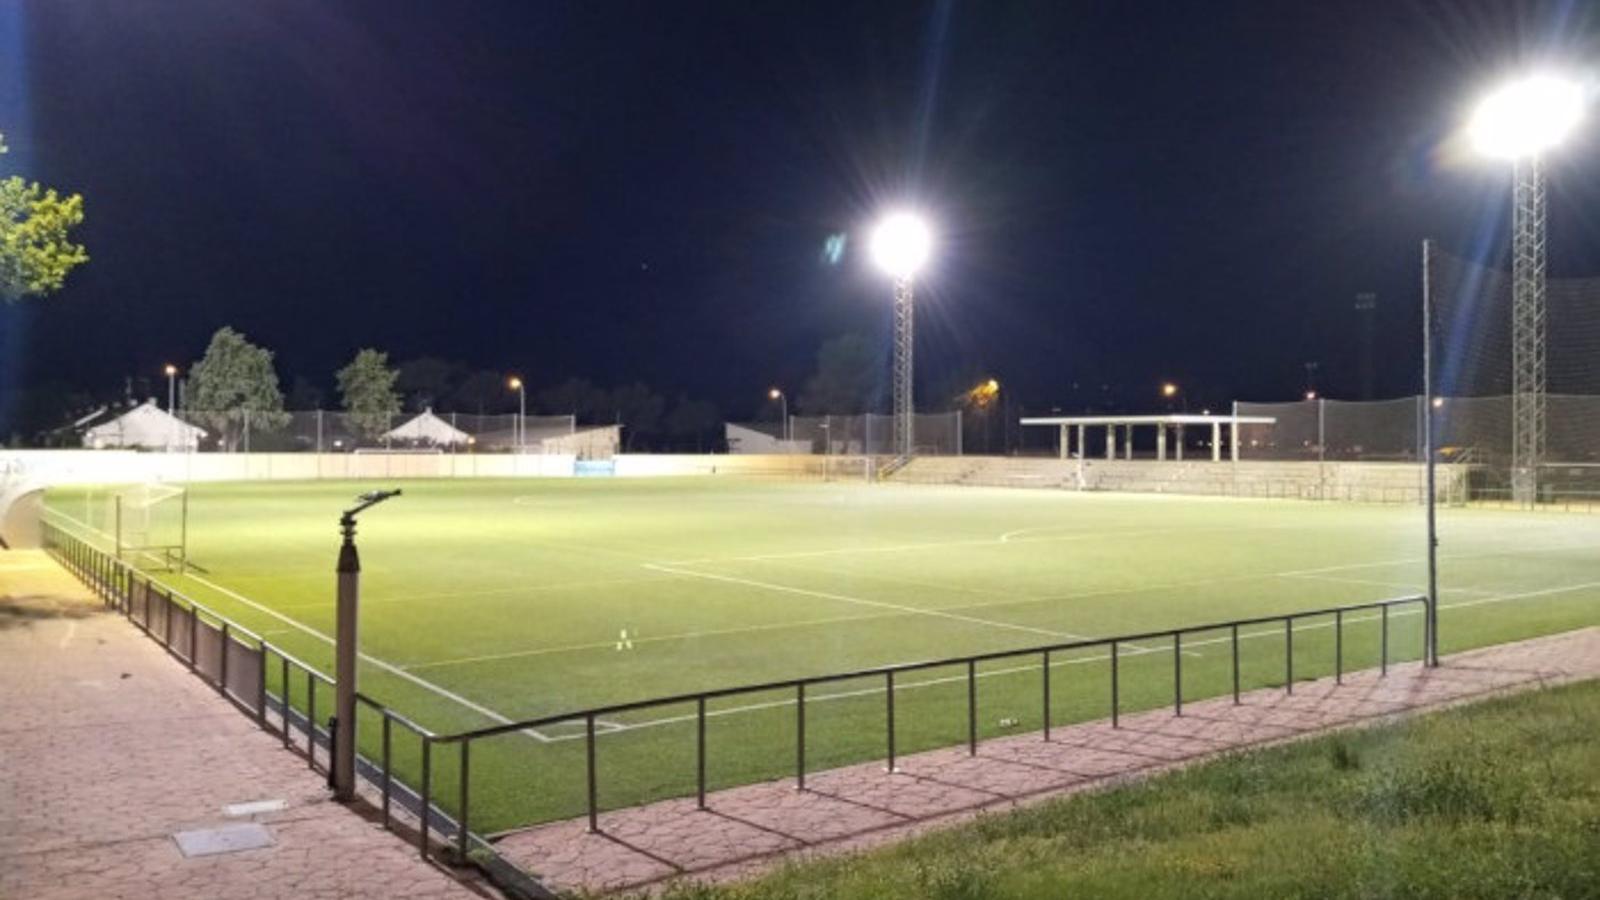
(324, 431)
(866, 434)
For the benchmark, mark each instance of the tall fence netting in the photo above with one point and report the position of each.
(869, 434)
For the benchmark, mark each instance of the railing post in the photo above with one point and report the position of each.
(1114, 696)
(194, 638)
(387, 759)
(700, 749)
(972, 707)
(800, 736)
(594, 812)
(1177, 673)
(461, 819)
(1288, 654)
(311, 719)
(1047, 695)
(284, 684)
(1235, 634)
(261, 686)
(1383, 657)
(427, 794)
(222, 654)
(1338, 646)
(889, 714)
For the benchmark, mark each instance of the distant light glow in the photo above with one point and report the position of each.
(774, 394)
(1169, 390)
(1311, 395)
(1527, 117)
(170, 370)
(515, 383)
(901, 244)
(1438, 402)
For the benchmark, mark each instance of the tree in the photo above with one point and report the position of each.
(690, 421)
(426, 381)
(578, 397)
(638, 409)
(367, 387)
(36, 250)
(482, 392)
(847, 371)
(233, 387)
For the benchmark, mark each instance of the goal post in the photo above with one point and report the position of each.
(150, 526)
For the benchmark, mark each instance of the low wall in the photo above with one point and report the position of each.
(68, 467)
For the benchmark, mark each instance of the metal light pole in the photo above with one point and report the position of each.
(172, 387)
(521, 431)
(346, 648)
(786, 431)
(1431, 610)
(900, 245)
(1521, 122)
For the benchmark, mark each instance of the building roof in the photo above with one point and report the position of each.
(428, 427)
(1168, 419)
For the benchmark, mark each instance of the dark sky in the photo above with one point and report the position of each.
(1123, 192)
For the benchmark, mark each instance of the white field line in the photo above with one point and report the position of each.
(1018, 601)
(492, 592)
(1562, 548)
(1007, 538)
(308, 630)
(879, 604)
(1405, 586)
(1083, 660)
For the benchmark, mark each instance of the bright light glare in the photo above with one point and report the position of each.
(774, 394)
(515, 383)
(1527, 117)
(170, 369)
(1169, 390)
(900, 245)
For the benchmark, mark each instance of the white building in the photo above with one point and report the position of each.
(430, 430)
(145, 427)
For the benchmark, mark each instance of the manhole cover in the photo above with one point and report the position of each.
(227, 839)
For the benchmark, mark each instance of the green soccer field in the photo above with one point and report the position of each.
(489, 601)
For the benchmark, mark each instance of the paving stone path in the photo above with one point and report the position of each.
(108, 747)
(748, 829)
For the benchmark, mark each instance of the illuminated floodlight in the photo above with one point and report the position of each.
(1169, 390)
(1525, 118)
(901, 244)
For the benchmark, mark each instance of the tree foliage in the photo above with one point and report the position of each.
(366, 386)
(847, 371)
(36, 250)
(235, 384)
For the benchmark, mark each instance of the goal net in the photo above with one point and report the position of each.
(150, 524)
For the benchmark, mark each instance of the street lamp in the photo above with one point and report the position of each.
(346, 647)
(1520, 122)
(780, 396)
(522, 411)
(900, 245)
(172, 381)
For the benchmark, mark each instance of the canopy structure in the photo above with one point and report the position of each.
(147, 427)
(428, 428)
(1178, 421)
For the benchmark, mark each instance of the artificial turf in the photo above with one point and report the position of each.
(488, 601)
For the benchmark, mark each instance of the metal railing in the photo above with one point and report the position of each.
(1114, 648)
(239, 671)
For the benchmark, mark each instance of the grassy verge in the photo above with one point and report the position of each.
(1499, 799)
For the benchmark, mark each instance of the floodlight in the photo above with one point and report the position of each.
(514, 383)
(900, 244)
(774, 394)
(170, 370)
(1527, 117)
(1169, 390)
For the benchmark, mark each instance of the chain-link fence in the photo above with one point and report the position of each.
(869, 434)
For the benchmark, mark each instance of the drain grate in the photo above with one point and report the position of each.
(227, 839)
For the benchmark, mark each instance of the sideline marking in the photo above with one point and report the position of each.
(307, 629)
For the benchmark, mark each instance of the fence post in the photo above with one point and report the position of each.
(1047, 695)
(461, 819)
(800, 737)
(889, 713)
(594, 813)
(427, 794)
(222, 655)
(1114, 697)
(261, 686)
(700, 749)
(1235, 630)
(284, 684)
(387, 759)
(1288, 654)
(311, 719)
(1177, 673)
(972, 707)
(1383, 658)
(1338, 646)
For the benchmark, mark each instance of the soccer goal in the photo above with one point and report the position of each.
(150, 523)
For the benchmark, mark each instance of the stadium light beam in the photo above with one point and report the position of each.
(1520, 122)
(901, 244)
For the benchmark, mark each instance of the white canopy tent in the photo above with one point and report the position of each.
(145, 427)
(428, 428)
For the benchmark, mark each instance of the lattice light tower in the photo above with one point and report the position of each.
(900, 245)
(1521, 122)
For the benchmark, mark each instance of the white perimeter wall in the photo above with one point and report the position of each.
(68, 467)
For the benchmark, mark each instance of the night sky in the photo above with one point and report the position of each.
(1123, 192)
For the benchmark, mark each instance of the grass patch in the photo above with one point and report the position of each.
(1499, 799)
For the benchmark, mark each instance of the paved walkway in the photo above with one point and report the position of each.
(108, 747)
(747, 829)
